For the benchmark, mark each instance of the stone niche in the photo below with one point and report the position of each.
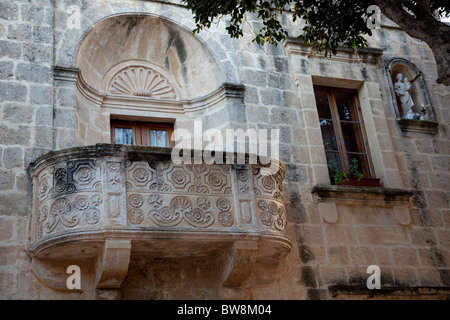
(98, 206)
(418, 93)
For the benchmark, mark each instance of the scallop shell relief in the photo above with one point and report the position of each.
(143, 82)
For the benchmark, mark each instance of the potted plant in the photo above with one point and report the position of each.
(353, 178)
(336, 176)
(356, 178)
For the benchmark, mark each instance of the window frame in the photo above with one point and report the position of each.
(141, 129)
(342, 150)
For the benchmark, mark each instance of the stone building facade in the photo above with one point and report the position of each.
(141, 227)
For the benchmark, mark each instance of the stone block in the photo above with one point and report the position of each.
(418, 162)
(339, 235)
(43, 137)
(64, 118)
(12, 91)
(271, 97)
(405, 256)
(19, 32)
(338, 255)
(12, 157)
(311, 118)
(424, 146)
(9, 254)
(32, 153)
(404, 276)
(14, 204)
(258, 114)
(37, 53)
(429, 277)
(6, 70)
(437, 199)
(9, 11)
(284, 116)
(362, 256)
(33, 14)
(441, 146)
(290, 99)
(15, 113)
(10, 49)
(251, 95)
(7, 283)
(312, 234)
(41, 94)
(441, 163)
(383, 256)
(254, 78)
(6, 227)
(332, 275)
(383, 236)
(439, 180)
(43, 34)
(65, 138)
(65, 97)
(300, 154)
(23, 183)
(6, 180)
(34, 73)
(19, 135)
(44, 116)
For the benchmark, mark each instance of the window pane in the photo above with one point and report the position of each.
(323, 105)
(346, 106)
(158, 138)
(123, 135)
(353, 140)
(328, 135)
(361, 162)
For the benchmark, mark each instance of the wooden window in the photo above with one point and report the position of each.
(142, 133)
(342, 129)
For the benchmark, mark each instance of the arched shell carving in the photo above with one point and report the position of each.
(142, 81)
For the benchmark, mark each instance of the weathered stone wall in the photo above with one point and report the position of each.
(26, 128)
(335, 238)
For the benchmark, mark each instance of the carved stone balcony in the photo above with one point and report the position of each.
(98, 205)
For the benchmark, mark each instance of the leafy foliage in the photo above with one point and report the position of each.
(329, 23)
(354, 170)
(336, 176)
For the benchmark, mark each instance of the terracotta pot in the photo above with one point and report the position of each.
(363, 182)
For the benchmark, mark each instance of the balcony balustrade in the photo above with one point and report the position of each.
(99, 205)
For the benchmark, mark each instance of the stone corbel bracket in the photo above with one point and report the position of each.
(112, 267)
(102, 270)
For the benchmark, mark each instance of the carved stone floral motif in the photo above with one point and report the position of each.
(92, 216)
(135, 216)
(272, 214)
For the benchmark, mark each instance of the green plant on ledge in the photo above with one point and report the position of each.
(336, 176)
(354, 170)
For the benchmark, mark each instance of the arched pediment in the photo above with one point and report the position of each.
(168, 52)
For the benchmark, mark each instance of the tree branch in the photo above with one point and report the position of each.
(435, 33)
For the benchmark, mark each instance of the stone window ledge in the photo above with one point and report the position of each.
(387, 293)
(395, 199)
(418, 126)
(361, 193)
